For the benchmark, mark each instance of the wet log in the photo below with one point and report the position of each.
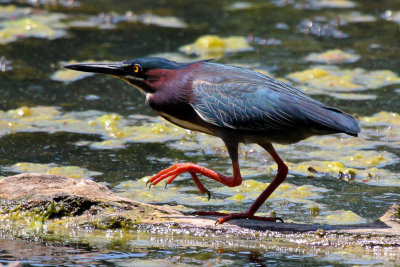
(65, 204)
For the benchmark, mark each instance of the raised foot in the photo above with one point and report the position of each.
(172, 172)
(244, 215)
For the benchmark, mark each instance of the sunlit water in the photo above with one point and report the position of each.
(100, 128)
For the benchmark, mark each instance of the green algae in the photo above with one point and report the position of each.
(111, 126)
(355, 154)
(66, 75)
(383, 126)
(37, 214)
(40, 26)
(334, 56)
(356, 17)
(66, 213)
(340, 217)
(318, 4)
(396, 214)
(109, 21)
(102, 225)
(214, 46)
(235, 198)
(382, 118)
(330, 80)
(68, 171)
(12, 12)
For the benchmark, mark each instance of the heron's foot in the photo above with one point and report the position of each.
(227, 217)
(172, 172)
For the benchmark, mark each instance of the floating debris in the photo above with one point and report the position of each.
(323, 4)
(104, 21)
(39, 26)
(341, 217)
(357, 159)
(52, 3)
(321, 27)
(375, 176)
(355, 17)
(5, 64)
(263, 41)
(285, 199)
(356, 154)
(315, 210)
(240, 6)
(391, 15)
(322, 80)
(67, 75)
(158, 194)
(384, 126)
(281, 26)
(168, 21)
(340, 143)
(213, 46)
(351, 96)
(331, 79)
(334, 56)
(110, 126)
(92, 97)
(107, 144)
(250, 190)
(12, 12)
(382, 118)
(110, 20)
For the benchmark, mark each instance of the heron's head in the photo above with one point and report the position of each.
(147, 73)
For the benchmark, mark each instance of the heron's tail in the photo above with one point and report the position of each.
(331, 119)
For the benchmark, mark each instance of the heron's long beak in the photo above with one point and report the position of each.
(111, 68)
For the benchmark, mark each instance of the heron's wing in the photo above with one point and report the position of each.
(261, 106)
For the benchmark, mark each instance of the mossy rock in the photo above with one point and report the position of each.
(38, 199)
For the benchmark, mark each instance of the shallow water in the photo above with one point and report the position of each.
(99, 127)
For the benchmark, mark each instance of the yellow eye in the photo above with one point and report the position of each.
(136, 69)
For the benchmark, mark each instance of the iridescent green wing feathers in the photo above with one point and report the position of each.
(265, 105)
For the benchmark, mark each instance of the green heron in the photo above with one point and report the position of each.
(235, 104)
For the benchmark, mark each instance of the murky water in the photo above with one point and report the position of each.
(100, 127)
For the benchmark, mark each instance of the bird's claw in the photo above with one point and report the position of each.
(172, 172)
(208, 194)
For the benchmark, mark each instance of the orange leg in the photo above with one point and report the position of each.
(201, 187)
(249, 214)
(172, 172)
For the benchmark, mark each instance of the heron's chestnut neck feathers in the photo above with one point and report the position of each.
(170, 85)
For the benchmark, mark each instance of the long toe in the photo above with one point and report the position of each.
(209, 213)
(227, 217)
(247, 216)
